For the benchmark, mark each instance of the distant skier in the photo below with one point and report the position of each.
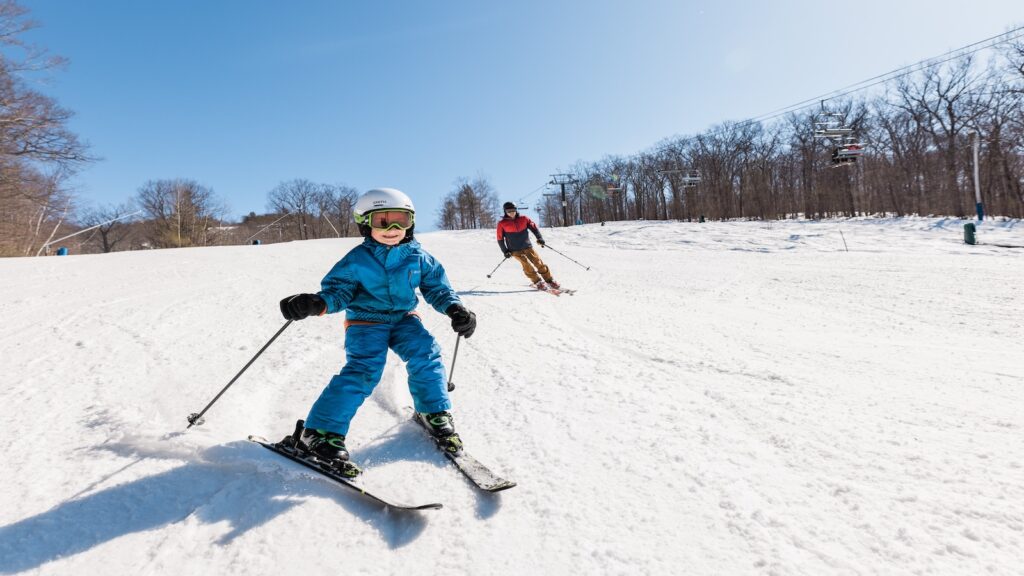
(375, 284)
(515, 242)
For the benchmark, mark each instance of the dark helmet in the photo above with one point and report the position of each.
(510, 206)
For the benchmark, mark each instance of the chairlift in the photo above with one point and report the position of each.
(688, 178)
(847, 152)
(850, 150)
(831, 125)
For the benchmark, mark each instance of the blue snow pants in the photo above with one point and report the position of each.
(366, 351)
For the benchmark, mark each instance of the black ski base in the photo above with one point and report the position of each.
(325, 470)
(481, 476)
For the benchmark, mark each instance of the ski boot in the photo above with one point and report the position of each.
(325, 445)
(327, 448)
(442, 427)
(540, 285)
(553, 284)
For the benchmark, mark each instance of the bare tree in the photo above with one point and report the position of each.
(943, 105)
(335, 205)
(316, 210)
(472, 204)
(298, 197)
(112, 229)
(181, 213)
(37, 151)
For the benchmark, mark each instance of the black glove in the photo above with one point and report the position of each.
(463, 321)
(540, 241)
(299, 306)
(508, 254)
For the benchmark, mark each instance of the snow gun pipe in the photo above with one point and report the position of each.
(567, 258)
(451, 385)
(196, 419)
(495, 270)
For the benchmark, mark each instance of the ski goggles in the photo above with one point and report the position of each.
(388, 219)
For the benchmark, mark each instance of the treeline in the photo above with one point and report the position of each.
(917, 158)
(181, 213)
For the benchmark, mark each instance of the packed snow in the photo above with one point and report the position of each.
(831, 397)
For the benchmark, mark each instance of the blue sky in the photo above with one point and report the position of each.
(241, 95)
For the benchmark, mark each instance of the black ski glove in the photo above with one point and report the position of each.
(463, 321)
(508, 254)
(540, 241)
(299, 306)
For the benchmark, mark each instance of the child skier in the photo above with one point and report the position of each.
(375, 284)
(514, 241)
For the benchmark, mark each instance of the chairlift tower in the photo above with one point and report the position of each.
(562, 180)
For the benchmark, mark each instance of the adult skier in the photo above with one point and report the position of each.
(514, 241)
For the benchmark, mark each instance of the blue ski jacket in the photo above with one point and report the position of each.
(377, 283)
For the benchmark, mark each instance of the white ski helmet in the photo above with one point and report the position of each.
(381, 199)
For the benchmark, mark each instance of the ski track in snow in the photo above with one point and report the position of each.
(718, 398)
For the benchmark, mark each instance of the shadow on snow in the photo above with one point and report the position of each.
(227, 483)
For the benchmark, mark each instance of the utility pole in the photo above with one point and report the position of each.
(976, 141)
(562, 180)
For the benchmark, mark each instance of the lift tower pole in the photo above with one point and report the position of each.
(562, 180)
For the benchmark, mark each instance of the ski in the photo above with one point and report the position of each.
(481, 476)
(556, 291)
(313, 464)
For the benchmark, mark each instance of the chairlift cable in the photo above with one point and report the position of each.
(897, 73)
(990, 42)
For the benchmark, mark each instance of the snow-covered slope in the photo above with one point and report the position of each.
(839, 397)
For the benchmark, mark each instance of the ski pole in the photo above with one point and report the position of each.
(566, 257)
(492, 272)
(451, 385)
(196, 418)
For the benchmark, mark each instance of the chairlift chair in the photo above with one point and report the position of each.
(847, 152)
(830, 125)
(687, 179)
(690, 178)
(844, 156)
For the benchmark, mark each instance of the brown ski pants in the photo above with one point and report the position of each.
(529, 259)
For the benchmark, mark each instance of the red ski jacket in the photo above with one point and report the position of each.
(512, 234)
